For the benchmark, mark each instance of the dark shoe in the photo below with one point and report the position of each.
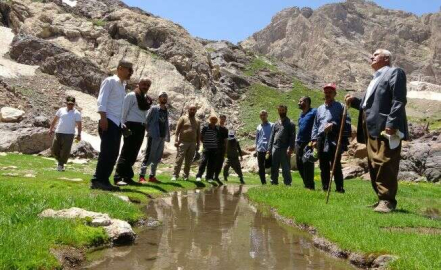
(325, 189)
(103, 186)
(130, 182)
(340, 190)
(219, 182)
(274, 183)
(384, 207)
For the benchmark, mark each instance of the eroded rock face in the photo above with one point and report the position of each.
(119, 231)
(335, 41)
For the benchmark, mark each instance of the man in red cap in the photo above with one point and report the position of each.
(325, 136)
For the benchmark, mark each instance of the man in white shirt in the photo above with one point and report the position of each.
(67, 118)
(110, 106)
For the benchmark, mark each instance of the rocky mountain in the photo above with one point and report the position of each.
(334, 42)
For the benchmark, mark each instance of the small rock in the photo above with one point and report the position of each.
(29, 175)
(2, 154)
(8, 168)
(101, 222)
(122, 197)
(71, 179)
(11, 115)
(78, 161)
(10, 174)
(383, 260)
(120, 232)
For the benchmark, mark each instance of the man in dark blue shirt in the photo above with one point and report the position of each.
(306, 121)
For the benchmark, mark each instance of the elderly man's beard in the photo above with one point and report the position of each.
(191, 114)
(282, 115)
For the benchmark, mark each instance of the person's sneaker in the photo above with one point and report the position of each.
(174, 178)
(121, 183)
(384, 207)
(142, 180)
(153, 179)
(103, 186)
(198, 179)
(60, 168)
(340, 190)
(373, 205)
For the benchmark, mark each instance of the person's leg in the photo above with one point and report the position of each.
(261, 165)
(220, 158)
(285, 162)
(211, 164)
(180, 156)
(300, 164)
(67, 140)
(158, 146)
(308, 170)
(203, 164)
(189, 154)
(324, 169)
(275, 165)
(129, 152)
(235, 164)
(110, 142)
(56, 147)
(145, 161)
(338, 174)
(227, 169)
(385, 162)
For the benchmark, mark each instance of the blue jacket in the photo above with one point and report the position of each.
(152, 124)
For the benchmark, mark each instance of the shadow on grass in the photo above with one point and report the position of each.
(171, 184)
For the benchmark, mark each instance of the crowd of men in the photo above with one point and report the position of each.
(382, 124)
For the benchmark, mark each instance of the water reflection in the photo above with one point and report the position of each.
(216, 229)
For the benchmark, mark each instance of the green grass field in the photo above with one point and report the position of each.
(26, 239)
(348, 222)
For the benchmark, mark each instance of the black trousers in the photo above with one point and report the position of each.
(209, 160)
(220, 159)
(326, 160)
(110, 142)
(306, 169)
(262, 166)
(129, 151)
(235, 164)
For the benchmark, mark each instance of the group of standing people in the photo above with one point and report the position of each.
(382, 125)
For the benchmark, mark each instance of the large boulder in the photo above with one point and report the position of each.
(83, 149)
(24, 139)
(11, 115)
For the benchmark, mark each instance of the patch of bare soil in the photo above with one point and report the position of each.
(69, 257)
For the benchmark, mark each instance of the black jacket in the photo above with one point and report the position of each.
(385, 108)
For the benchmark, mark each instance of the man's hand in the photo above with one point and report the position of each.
(176, 144)
(328, 127)
(51, 132)
(289, 152)
(255, 154)
(78, 137)
(390, 131)
(348, 99)
(104, 124)
(313, 144)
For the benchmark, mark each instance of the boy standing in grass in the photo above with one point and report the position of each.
(67, 118)
(233, 153)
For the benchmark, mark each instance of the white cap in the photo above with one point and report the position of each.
(231, 133)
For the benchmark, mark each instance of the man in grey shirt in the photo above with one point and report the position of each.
(136, 105)
(281, 147)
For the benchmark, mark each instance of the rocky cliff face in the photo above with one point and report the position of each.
(335, 41)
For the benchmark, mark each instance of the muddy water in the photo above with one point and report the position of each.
(216, 229)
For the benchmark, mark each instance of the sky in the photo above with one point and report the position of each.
(235, 20)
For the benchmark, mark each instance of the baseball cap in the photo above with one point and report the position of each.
(125, 64)
(331, 86)
(231, 133)
(163, 94)
(70, 100)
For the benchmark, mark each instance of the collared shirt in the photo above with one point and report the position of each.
(306, 122)
(263, 134)
(327, 113)
(67, 120)
(283, 135)
(131, 111)
(370, 88)
(111, 98)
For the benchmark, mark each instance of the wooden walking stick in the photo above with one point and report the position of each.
(340, 135)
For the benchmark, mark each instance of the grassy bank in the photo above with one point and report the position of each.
(347, 221)
(26, 239)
